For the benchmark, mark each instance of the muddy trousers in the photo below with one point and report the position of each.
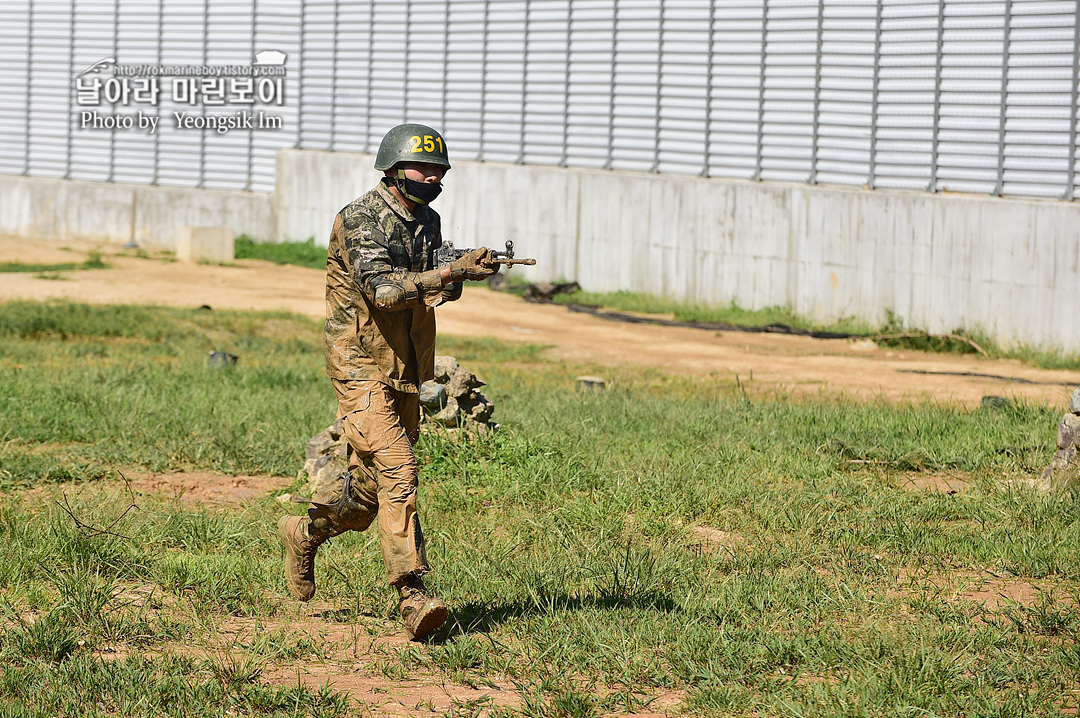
(380, 425)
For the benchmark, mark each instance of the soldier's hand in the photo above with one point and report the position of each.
(473, 265)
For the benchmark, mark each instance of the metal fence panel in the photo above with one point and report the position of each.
(940, 95)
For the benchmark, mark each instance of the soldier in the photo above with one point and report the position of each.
(381, 289)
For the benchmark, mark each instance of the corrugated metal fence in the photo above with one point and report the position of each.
(960, 95)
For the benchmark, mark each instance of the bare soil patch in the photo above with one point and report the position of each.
(936, 482)
(982, 589)
(792, 365)
(207, 488)
(197, 487)
(710, 538)
(423, 696)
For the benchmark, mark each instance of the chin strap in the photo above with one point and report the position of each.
(399, 182)
(402, 183)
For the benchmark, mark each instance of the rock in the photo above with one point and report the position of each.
(1068, 436)
(457, 379)
(591, 383)
(325, 442)
(544, 291)
(1074, 404)
(1065, 466)
(1062, 468)
(464, 405)
(445, 366)
(433, 396)
(994, 402)
(323, 470)
(481, 409)
(449, 415)
(219, 360)
(326, 455)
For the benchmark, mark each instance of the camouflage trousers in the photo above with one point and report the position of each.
(380, 425)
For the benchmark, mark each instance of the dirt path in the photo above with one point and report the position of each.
(797, 365)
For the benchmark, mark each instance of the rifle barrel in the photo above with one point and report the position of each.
(508, 262)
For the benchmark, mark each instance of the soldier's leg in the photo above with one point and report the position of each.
(348, 503)
(385, 424)
(386, 437)
(351, 501)
(421, 612)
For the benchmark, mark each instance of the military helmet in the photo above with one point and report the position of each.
(411, 143)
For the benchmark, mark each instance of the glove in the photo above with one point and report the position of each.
(472, 266)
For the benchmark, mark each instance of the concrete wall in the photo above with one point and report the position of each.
(118, 213)
(939, 261)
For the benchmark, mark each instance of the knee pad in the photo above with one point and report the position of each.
(341, 512)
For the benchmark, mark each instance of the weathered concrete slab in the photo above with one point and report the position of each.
(214, 245)
(119, 213)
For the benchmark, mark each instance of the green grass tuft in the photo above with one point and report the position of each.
(303, 254)
(48, 271)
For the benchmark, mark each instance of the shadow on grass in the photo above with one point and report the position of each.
(480, 617)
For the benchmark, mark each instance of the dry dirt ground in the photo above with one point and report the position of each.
(791, 364)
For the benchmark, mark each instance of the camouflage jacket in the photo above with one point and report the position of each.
(378, 324)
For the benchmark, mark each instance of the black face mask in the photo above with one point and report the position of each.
(419, 192)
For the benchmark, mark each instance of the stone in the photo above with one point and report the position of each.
(1063, 466)
(327, 441)
(433, 396)
(1074, 403)
(544, 291)
(457, 379)
(215, 245)
(1068, 435)
(994, 402)
(445, 366)
(591, 383)
(449, 415)
(323, 470)
(220, 360)
(481, 409)
(464, 405)
(327, 456)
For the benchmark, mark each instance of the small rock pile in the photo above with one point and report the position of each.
(452, 400)
(326, 457)
(1066, 463)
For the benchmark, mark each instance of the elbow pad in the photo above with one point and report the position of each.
(390, 297)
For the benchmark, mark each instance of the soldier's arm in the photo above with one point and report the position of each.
(387, 287)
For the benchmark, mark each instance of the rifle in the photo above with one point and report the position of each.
(447, 253)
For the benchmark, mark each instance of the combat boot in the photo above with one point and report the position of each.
(421, 612)
(301, 544)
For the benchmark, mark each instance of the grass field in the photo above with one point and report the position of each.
(748, 554)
